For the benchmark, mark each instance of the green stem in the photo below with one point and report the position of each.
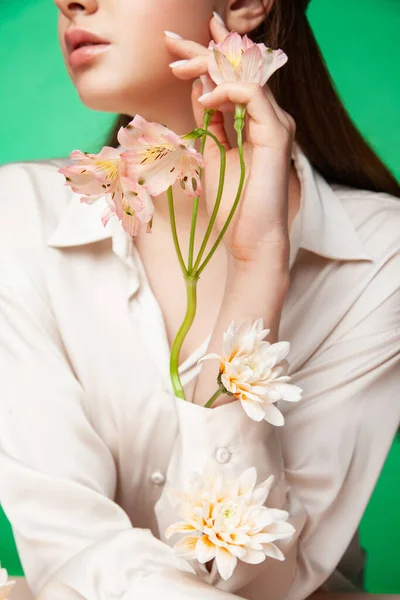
(174, 232)
(192, 274)
(191, 280)
(239, 123)
(217, 201)
(206, 121)
(191, 286)
(221, 390)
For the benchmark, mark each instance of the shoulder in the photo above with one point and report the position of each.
(376, 218)
(32, 199)
(374, 285)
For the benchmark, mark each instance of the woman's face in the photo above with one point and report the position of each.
(132, 74)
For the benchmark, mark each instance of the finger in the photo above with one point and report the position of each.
(216, 126)
(218, 28)
(259, 109)
(185, 48)
(190, 68)
(268, 93)
(285, 117)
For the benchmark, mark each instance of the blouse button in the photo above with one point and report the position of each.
(158, 478)
(223, 455)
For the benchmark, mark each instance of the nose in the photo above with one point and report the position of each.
(69, 9)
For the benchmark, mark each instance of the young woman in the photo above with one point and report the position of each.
(90, 430)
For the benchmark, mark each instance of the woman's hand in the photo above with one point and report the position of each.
(260, 223)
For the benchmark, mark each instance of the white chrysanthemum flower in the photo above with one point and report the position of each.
(255, 371)
(6, 585)
(224, 518)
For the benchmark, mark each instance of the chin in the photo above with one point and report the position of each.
(101, 95)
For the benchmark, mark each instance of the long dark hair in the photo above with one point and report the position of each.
(304, 88)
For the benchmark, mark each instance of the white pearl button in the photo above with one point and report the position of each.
(223, 455)
(158, 478)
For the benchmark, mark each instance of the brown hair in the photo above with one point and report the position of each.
(304, 88)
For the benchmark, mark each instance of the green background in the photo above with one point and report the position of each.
(43, 117)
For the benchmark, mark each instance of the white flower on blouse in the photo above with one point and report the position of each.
(224, 518)
(6, 585)
(255, 371)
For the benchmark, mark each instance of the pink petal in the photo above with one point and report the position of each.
(232, 47)
(272, 61)
(251, 65)
(220, 69)
(107, 214)
(208, 84)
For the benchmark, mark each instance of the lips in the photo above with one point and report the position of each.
(75, 38)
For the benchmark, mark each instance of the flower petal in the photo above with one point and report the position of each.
(253, 409)
(288, 391)
(273, 415)
(220, 69)
(251, 65)
(247, 480)
(260, 494)
(272, 61)
(273, 551)
(280, 530)
(253, 557)
(226, 563)
(186, 547)
(179, 527)
(205, 549)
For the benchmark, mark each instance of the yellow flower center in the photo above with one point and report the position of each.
(236, 59)
(110, 168)
(153, 153)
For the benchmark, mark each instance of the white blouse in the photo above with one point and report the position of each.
(90, 430)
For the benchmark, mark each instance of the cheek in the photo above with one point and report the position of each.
(142, 24)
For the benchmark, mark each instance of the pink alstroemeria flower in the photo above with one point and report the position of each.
(158, 157)
(106, 174)
(238, 58)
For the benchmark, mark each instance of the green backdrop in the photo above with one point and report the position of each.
(43, 117)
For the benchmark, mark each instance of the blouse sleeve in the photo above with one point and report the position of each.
(58, 477)
(326, 458)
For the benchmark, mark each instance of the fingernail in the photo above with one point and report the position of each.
(203, 97)
(174, 36)
(218, 18)
(178, 63)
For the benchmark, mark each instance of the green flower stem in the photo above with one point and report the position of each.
(239, 124)
(192, 274)
(191, 280)
(206, 121)
(221, 390)
(174, 232)
(217, 201)
(191, 287)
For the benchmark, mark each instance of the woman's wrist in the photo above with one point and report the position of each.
(259, 290)
(273, 255)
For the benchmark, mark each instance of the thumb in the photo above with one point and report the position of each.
(216, 126)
